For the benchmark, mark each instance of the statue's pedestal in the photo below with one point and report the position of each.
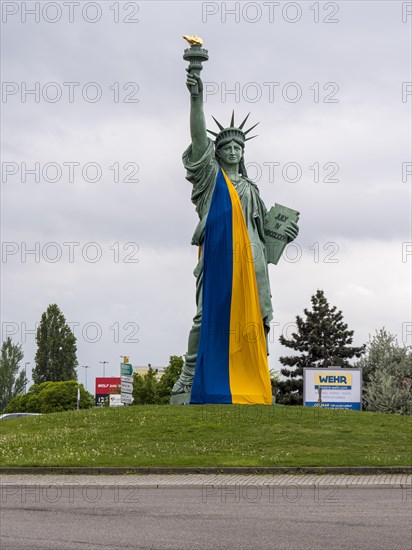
(180, 399)
(184, 399)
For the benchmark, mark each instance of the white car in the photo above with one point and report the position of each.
(17, 415)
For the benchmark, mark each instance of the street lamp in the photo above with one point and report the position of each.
(25, 375)
(104, 363)
(86, 367)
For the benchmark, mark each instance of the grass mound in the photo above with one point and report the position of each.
(209, 435)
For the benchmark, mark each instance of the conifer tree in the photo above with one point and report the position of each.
(55, 358)
(322, 340)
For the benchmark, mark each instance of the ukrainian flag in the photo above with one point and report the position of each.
(231, 364)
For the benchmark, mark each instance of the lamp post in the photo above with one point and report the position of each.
(25, 375)
(86, 367)
(104, 363)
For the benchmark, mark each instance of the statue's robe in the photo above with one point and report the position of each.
(227, 344)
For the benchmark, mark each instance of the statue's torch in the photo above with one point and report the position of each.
(195, 55)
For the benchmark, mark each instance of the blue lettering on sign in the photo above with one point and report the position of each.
(332, 379)
(346, 406)
(339, 388)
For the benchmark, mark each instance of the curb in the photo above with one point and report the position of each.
(146, 470)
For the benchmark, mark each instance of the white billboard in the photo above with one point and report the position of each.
(332, 388)
(115, 400)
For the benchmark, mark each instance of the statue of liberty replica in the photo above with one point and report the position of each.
(226, 360)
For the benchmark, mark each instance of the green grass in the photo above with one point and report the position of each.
(210, 435)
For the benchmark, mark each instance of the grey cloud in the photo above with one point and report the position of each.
(367, 134)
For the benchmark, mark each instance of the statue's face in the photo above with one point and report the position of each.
(231, 153)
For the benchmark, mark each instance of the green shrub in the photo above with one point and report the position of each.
(387, 375)
(50, 397)
(17, 404)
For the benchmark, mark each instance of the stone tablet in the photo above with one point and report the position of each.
(275, 238)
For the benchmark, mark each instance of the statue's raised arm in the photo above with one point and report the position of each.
(197, 117)
(196, 55)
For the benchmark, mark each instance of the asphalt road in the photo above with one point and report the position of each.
(89, 516)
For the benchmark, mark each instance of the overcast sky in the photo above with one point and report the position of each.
(109, 119)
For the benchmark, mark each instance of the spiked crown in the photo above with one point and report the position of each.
(226, 135)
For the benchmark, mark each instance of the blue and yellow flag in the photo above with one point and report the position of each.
(231, 364)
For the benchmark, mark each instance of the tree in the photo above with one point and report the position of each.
(387, 375)
(170, 376)
(274, 382)
(388, 393)
(150, 386)
(138, 389)
(56, 348)
(11, 383)
(322, 340)
(382, 353)
(145, 388)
